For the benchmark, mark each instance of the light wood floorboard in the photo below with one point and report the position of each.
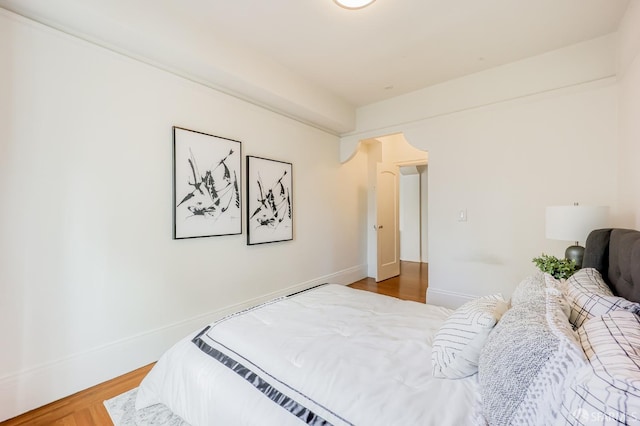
(86, 408)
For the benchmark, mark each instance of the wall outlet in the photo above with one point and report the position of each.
(462, 215)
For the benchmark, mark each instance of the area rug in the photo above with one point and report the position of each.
(122, 410)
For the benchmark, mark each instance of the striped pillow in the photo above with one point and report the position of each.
(607, 390)
(589, 296)
(457, 344)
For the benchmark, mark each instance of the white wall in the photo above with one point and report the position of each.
(91, 283)
(414, 236)
(580, 63)
(629, 96)
(586, 62)
(504, 144)
(504, 165)
(410, 238)
(424, 211)
(174, 41)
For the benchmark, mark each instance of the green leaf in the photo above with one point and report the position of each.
(558, 268)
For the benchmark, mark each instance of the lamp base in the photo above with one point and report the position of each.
(575, 253)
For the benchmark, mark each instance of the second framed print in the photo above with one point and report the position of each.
(270, 201)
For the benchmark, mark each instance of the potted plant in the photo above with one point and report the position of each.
(559, 268)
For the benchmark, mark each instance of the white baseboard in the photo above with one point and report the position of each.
(37, 386)
(448, 299)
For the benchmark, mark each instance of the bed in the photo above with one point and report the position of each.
(332, 355)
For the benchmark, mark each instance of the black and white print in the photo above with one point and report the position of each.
(206, 195)
(270, 202)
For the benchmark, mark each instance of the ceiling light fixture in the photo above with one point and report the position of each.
(353, 4)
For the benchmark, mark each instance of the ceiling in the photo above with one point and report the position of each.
(356, 57)
(398, 46)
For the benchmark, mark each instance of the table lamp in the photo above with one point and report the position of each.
(574, 223)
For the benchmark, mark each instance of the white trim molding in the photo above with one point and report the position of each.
(448, 299)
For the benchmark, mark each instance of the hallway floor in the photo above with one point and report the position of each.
(411, 284)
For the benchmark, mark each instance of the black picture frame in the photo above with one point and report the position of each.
(207, 180)
(269, 200)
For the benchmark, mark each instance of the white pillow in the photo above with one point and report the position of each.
(589, 296)
(458, 342)
(607, 390)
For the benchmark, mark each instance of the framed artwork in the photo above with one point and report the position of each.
(270, 201)
(206, 185)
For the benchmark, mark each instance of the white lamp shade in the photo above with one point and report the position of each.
(574, 223)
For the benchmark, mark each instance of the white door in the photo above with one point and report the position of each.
(387, 226)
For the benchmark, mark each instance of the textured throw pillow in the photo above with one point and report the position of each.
(530, 289)
(553, 282)
(589, 296)
(607, 390)
(526, 362)
(560, 286)
(457, 344)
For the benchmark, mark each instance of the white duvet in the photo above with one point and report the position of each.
(331, 355)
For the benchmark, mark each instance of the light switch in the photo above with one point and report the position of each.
(462, 215)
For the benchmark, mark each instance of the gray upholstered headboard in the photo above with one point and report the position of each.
(616, 254)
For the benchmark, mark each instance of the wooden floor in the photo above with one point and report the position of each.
(86, 409)
(410, 285)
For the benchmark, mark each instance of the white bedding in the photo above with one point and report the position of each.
(330, 354)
